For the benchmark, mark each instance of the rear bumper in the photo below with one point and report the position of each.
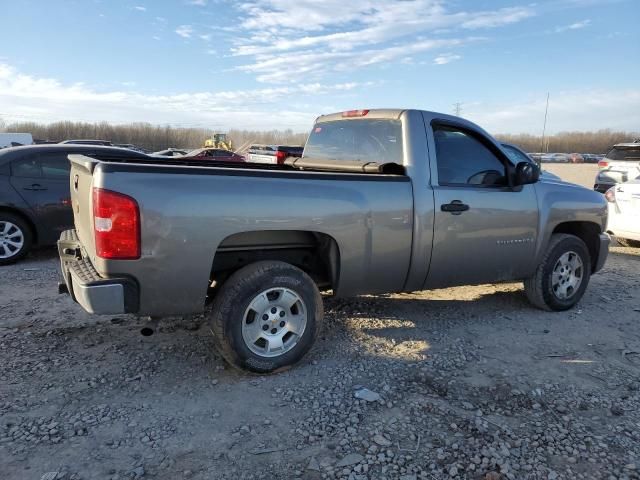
(603, 252)
(94, 293)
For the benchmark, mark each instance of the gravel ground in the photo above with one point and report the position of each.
(457, 383)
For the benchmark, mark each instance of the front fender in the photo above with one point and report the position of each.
(563, 205)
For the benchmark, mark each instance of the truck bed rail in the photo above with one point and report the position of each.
(291, 164)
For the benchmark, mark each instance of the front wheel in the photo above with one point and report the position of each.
(266, 316)
(563, 275)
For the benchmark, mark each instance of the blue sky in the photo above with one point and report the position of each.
(263, 64)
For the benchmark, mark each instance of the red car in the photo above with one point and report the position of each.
(214, 154)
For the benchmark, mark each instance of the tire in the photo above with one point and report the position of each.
(540, 289)
(627, 242)
(254, 303)
(16, 238)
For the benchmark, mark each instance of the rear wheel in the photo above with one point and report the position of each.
(627, 242)
(563, 275)
(266, 316)
(15, 238)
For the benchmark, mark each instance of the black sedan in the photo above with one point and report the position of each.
(34, 194)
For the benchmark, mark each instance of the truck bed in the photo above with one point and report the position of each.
(193, 214)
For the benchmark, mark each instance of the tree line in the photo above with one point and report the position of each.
(157, 137)
(570, 142)
(148, 136)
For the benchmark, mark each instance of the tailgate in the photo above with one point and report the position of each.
(81, 179)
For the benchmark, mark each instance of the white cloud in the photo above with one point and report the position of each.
(279, 68)
(198, 3)
(211, 51)
(568, 111)
(140, 8)
(445, 58)
(574, 26)
(331, 35)
(185, 31)
(379, 21)
(206, 37)
(45, 99)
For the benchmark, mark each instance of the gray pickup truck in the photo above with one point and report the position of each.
(381, 201)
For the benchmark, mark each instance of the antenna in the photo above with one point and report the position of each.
(544, 127)
(457, 108)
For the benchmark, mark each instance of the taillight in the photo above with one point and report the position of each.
(610, 195)
(116, 224)
(603, 164)
(355, 113)
(281, 157)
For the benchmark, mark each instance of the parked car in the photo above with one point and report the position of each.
(8, 140)
(380, 201)
(620, 164)
(170, 152)
(555, 158)
(215, 154)
(591, 158)
(131, 146)
(624, 213)
(576, 158)
(516, 155)
(537, 157)
(274, 154)
(34, 194)
(105, 143)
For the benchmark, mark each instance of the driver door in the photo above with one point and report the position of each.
(485, 230)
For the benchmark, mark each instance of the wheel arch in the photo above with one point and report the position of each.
(588, 232)
(316, 253)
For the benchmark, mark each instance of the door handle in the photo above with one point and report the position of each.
(456, 207)
(35, 187)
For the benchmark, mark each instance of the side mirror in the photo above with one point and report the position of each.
(526, 173)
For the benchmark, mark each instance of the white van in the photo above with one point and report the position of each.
(15, 139)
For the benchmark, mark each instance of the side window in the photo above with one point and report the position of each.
(222, 153)
(464, 160)
(26, 167)
(55, 165)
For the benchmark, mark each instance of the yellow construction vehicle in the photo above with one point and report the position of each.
(219, 140)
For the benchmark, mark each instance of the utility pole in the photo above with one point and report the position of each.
(457, 109)
(544, 127)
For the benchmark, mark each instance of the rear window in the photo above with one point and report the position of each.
(360, 140)
(630, 153)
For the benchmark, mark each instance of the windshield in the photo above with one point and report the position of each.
(622, 153)
(360, 140)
